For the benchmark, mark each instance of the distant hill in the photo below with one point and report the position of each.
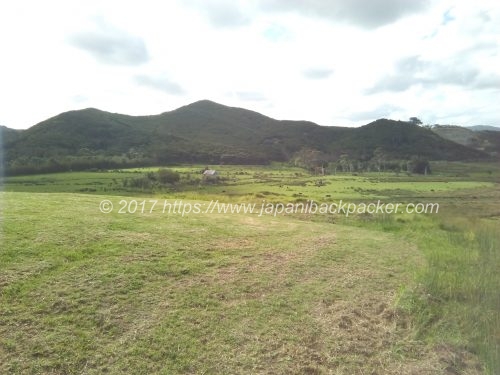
(483, 140)
(8, 135)
(208, 132)
(73, 132)
(401, 139)
(479, 128)
(458, 134)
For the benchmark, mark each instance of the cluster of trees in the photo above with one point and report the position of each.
(33, 164)
(322, 163)
(311, 159)
(85, 160)
(164, 177)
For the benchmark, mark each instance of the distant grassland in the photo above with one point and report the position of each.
(86, 292)
(274, 183)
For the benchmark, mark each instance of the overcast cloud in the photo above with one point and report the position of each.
(317, 73)
(413, 70)
(367, 14)
(382, 111)
(250, 96)
(342, 63)
(159, 83)
(111, 46)
(221, 13)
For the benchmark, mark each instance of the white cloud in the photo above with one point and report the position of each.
(413, 70)
(222, 13)
(331, 62)
(159, 82)
(111, 46)
(317, 73)
(367, 14)
(382, 111)
(251, 96)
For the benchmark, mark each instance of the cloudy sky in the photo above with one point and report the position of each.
(334, 62)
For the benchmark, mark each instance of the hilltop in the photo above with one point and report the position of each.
(9, 135)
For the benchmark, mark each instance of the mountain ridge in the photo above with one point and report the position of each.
(209, 132)
(479, 128)
(483, 140)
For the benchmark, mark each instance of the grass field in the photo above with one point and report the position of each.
(82, 292)
(244, 183)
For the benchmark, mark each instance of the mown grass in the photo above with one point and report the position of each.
(86, 292)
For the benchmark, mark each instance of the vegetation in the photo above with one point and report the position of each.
(142, 290)
(483, 139)
(207, 132)
(461, 282)
(455, 303)
(277, 182)
(83, 291)
(415, 121)
(115, 293)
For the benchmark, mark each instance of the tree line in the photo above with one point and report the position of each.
(313, 160)
(322, 163)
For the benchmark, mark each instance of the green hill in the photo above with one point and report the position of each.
(8, 135)
(208, 132)
(71, 132)
(477, 137)
(401, 139)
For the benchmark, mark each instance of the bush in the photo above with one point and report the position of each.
(168, 176)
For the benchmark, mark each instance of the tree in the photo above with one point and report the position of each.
(415, 121)
(419, 165)
(311, 159)
(379, 158)
(345, 163)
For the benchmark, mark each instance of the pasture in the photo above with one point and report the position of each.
(84, 292)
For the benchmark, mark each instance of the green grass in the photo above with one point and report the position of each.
(465, 170)
(86, 292)
(455, 301)
(461, 283)
(276, 183)
(70, 182)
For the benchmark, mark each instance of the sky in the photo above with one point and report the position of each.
(333, 62)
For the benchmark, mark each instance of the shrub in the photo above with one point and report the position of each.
(168, 176)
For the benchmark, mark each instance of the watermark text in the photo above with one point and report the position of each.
(184, 208)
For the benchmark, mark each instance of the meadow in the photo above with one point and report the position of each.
(275, 182)
(83, 292)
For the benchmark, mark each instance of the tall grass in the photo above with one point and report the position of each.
(456, 300)
(460, 302)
